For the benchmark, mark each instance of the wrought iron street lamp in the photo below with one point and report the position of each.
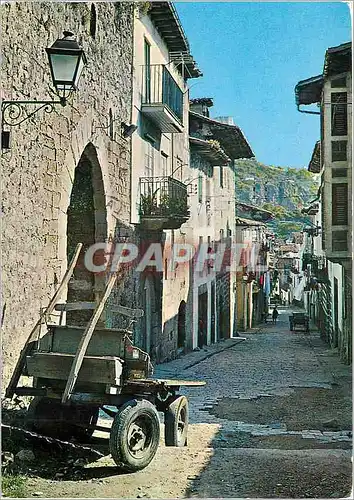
(67, 60)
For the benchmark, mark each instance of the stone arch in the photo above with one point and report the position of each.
(87, 224)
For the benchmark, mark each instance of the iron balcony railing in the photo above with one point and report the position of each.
(163, 197)
(159, 87)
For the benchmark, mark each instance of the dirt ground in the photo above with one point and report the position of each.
(293, 443)
(203, 469)
(298, 411)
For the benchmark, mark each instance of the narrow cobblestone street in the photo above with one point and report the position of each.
(274, 420)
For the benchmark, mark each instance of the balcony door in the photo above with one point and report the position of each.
(147, 48)
(149, 158)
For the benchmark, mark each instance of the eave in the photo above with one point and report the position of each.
(241, 221)
(338, 59)
(256, 213)
(230, 137)
(168, 25)
(213, 155)
(309, 91)
(315, 162)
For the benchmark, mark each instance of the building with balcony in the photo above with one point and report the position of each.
(332, 160)
(162, 67)
(214, 147)
(255, 274)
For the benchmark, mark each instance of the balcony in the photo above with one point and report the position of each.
(163, 203)
(162, 99)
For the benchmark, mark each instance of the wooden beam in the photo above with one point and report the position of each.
(75, 306)
(86, 337)
(10, 391)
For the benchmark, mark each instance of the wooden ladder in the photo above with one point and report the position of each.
(10, 391)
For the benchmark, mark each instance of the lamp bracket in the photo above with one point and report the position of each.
(14, 113)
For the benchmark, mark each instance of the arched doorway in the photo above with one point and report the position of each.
(181, 341)
(86, 224)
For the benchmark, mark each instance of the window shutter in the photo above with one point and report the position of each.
(339, 150)
(340, 204)
(339, 113)
(339, 241)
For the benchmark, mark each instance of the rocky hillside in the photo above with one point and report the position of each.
(281, 190)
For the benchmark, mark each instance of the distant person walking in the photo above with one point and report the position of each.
(275, 314)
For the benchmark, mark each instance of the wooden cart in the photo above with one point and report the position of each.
(78, 371)
(299, 319)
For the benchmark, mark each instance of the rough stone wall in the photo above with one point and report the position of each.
(38, 172)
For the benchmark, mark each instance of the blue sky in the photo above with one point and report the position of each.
(252, 55)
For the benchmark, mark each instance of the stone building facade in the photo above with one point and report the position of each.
(66, 177)
(332, 160)
(214, 146)
(162, 69)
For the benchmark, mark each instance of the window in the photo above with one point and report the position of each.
(323, 211)
(339, 82)
(340, 204)
(339, 172)
(178, 169)
(210, 250)
(147, 47)
(149, 158)
(111, 125)
(221, 177)
(339, 150)
(164, 160)
(208, 202)
(339, 241)
(199, 250)
(200, 189)
(339, 113)
(93, 21)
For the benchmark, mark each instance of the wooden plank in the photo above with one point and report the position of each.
(167, 382)
(75, 368)
(76, 306)
(127, 311)
(66, 340)
(43, 317)
(101, 370)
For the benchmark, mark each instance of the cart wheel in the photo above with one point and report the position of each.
(84, 416)
(49, 417)
(176, 422)
(135, 435)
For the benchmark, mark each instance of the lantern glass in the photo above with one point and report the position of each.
(64, 69)
(67, 60)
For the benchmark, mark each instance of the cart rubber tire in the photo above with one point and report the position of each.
(48, 416)
(136, 424)
(176, 422)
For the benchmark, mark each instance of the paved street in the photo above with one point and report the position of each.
(274, 420)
